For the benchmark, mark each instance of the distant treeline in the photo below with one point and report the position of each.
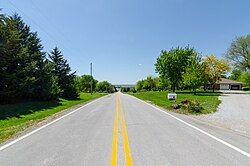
(83, 84)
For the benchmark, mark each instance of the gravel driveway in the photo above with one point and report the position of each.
(233, 113)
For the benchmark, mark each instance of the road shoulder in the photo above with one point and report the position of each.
(47, 120)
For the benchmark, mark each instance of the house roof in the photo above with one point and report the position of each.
(228, 81)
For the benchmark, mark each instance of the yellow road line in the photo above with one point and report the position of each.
(115, 137)
(128, 157)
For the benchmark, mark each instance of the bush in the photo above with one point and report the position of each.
(192, 106)
(245, 88)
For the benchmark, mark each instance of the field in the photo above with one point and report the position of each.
(15, 118)
(209, 100)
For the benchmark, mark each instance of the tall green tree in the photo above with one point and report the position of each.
(22, 62)
(63, 71)
(162, 83)
(236, 73)
(239, 52)
(194, 75)
(245, 77)
(47, 87)
(139, 85)
(172, 64)
(10, 48)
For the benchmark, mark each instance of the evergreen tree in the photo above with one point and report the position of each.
(47, 88)
(62, 71)
(23, 63)
(13, 52)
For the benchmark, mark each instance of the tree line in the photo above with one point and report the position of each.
(28, 72)
(152, 83)
(185, 68)
(83, 84)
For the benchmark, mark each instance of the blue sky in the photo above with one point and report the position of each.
(124, 38)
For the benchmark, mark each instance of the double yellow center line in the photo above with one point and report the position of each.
(128, 158)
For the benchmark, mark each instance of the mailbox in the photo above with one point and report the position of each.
(172, 96)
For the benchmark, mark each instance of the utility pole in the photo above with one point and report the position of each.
(91, 82)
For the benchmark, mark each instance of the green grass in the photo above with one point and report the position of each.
(209, 101)
(14, 118)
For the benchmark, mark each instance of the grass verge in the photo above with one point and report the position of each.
(15, 118)
(209, 100)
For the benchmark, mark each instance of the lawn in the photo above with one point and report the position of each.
(209, 100)
(14, 118)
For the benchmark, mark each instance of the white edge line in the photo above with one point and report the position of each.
(46, 125)
(198, 129)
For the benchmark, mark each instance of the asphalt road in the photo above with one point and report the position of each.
(120, 129)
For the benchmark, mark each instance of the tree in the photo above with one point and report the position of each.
(215, 68)
(11, 53)
(139, 85)
(162, 83)
(245, 77)
(172, 64)
(236, 73)
(149, 83)
(83, 83)
(23, 65)
(239, 52)
(152, 83)
(62, 71)
(194, 75)
(47, 87)
(105, 86)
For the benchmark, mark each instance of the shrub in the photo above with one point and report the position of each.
(192, 106)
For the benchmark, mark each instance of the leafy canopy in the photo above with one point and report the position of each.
(105, 86)
(172, 64)
(239, 52)
(215, 68)
(83, 83)
(194, 75)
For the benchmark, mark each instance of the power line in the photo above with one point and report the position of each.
(58, 30)
(34, 22)
(48, 20)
